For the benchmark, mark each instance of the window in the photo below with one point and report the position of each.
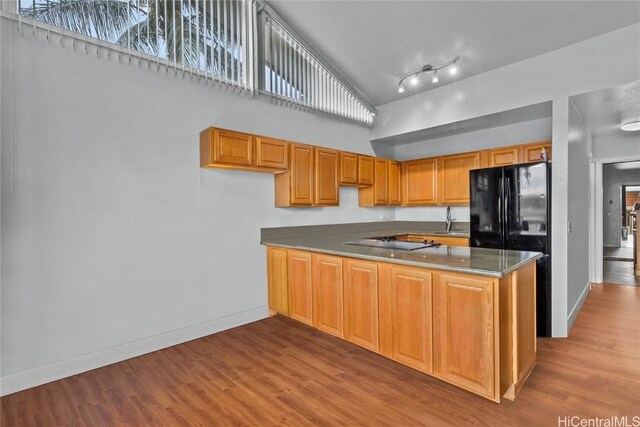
(212, 36)
(292, 74)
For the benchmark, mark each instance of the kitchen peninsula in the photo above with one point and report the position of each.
(464, 315)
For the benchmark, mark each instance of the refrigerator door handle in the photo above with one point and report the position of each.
(506, 207)
(500, 211)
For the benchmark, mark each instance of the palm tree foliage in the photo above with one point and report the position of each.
(175, 30)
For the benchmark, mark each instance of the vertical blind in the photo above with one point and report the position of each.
(213, 38)
(210, 37)
(294, 76)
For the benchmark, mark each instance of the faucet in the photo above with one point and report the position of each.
(449, 221)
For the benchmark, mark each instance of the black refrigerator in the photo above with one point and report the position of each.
(511, 209)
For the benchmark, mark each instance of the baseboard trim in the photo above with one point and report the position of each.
(573, 315)
(45, 374)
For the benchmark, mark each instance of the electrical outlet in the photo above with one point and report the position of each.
(569, 228)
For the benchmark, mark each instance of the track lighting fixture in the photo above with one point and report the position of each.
(413, 76)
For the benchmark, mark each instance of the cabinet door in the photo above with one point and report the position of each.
(272, 153)
(233, 148)
(381, 182)
(454, 178)
(531, 152)
(348, 168)
(365, 170)
(328, 294)
(465, 332)
(361, 303)
(504, 156)
(300, 287)
(326, 177)
(277, 280)
(420, 182)
(394, 183)
(301, 175)
(405, 316)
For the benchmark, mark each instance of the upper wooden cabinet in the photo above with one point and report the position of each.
(296, 187)
(348, 168)
(277, 280)
(531, 152)
(504, 156)
(394, 184)
(365, 170)
(308, 175)
(361, 303)
(300, 286)
(420, 179)
(405, 299)
(233, 148)
(326, 177)
(227, 149)
(381, 182)
(465, 316)
(453, 177)
(328, 294)
(272, 153)
(386, 185)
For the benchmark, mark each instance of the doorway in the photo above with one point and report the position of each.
(621, 209)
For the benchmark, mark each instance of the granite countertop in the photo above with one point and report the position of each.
(330, 239)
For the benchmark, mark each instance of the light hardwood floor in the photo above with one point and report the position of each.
(281, 372)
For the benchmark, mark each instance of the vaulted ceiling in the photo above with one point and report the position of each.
(374, 43)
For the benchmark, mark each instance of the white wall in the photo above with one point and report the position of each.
(501, 136)
(111, 231)
(622, 145)
(579, 212)
(598, 63)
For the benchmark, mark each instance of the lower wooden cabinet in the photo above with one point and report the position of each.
(472, 331)
(405, 300)
(465, 319)
(277, 280)
(328, 299)
(361, 303)
(300, 286)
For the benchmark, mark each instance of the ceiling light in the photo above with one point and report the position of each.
(631, 126)
(413, 76)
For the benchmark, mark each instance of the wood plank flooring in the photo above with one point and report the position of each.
(280, 372)
(620, 273)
